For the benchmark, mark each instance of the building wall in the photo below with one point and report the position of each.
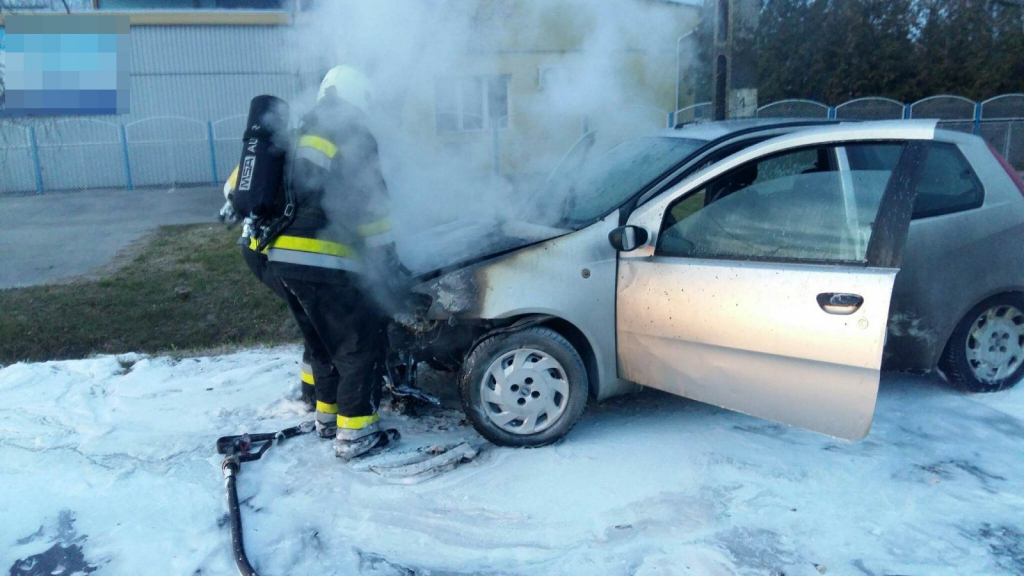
(194, 71)
(186, 82)
(543, 125)
(206, 72)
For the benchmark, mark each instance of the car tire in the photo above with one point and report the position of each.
(985, 353)
(542, 393)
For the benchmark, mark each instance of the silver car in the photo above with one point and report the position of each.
(764, 267)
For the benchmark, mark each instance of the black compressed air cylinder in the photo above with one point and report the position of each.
(259, 191)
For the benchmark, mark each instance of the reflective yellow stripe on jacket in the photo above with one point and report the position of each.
(374, 228)
(376, 233)
(313, 252)
(319, 151)
(313, 245)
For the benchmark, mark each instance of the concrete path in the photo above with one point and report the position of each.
(55, 237)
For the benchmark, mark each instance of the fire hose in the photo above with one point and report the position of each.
(410, 468)
(236, 450)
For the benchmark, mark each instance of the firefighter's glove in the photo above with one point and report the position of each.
(395, 278)
(228, 215)
(398, 278)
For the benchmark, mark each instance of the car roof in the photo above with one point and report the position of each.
(719, 130)
(716, 129)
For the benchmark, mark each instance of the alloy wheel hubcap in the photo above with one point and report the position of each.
(995, 343)
(524, 391)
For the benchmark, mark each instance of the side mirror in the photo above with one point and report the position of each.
(628, 238)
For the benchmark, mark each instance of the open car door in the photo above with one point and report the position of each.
(762, 284)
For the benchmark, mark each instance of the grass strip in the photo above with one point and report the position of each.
(181, 288)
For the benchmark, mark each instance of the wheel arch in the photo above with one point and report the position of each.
(583, 346)
(579, 340)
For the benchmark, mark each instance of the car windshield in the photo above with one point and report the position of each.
(585, 186)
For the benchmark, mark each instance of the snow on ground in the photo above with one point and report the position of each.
(114, 457)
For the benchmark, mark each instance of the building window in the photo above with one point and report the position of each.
(471, 103)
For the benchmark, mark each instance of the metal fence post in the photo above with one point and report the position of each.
(35, 159)
(1007, 140)
(831, 112)
(213, 150)
(906, 112)
(977, 118)
(127, 162)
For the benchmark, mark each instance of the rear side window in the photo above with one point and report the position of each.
(948, 184)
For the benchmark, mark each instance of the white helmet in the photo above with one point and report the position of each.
(349, 84)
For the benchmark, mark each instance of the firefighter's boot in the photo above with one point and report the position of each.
(352, 443)
(326, 420)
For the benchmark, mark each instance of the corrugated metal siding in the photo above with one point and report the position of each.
(210, 97)
(207, 72)
(209, 49)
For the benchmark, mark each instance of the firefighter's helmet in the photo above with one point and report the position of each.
(348, 84)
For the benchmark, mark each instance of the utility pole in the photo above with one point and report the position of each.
(734, 57)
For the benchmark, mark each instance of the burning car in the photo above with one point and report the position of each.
(751, 265)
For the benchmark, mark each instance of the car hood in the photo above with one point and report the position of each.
(462, 242)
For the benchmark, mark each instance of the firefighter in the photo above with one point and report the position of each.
(257, 263)
(338, 237)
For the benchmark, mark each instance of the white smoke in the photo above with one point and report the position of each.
(602, 57)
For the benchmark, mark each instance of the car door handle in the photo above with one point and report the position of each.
(840, 304)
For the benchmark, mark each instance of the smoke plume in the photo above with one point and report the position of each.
(596, 69)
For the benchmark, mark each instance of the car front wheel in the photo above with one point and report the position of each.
(986, 351)
(525, 388)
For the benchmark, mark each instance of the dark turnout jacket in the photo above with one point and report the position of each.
(341, 200)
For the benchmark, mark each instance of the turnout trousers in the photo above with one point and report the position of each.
(257, 264)
(345, 334)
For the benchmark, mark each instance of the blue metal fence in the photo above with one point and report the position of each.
(179, 151)
(84, 153)
(999, 120)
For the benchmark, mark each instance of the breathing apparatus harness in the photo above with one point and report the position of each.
(263, 191)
